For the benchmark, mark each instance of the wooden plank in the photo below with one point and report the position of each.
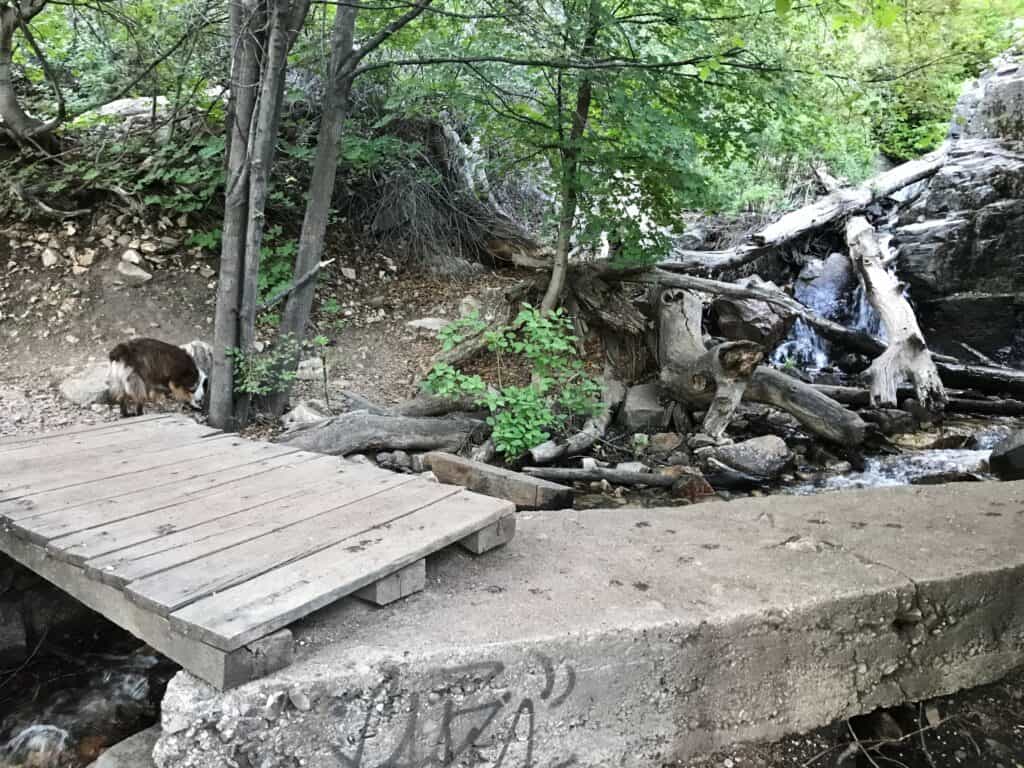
(150, 513)
(402, 583)
(227, 449)
(234, 617)
(495, 535)
(527, 492)
(353, 524)
(160, 554)
(15, 442)
(220, 669)
(55, 478)
(99, 450)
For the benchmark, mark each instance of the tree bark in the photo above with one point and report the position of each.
(22, 128)
(360, 431)
(907, 356)
(861, 398)
(321, 186)
(811, 217)
(816, 412)
(694, 375)
(244, 77)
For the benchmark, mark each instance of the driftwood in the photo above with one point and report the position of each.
(596, 474)
(816, 412)
(861, 398)
(992, 381)
(907, 357)
(721, 475)
(833, 206)
(694, 375)
(612, 394)
(364, 432)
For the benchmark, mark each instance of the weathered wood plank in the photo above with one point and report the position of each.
(402, 583)
(138, 464)
(112, 526)
(353, 524)
(162, 553)
(16, 442)
(236, 616)
(526, 492)
(100, 451)
(226, 451)
(220, 669)
(495, 535)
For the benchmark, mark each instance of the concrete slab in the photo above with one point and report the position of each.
(633, 637)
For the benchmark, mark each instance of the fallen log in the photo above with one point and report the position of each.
(694, 375)
(907, 357)
(365, 432)
(833, 206)
(596, 474)
(612, 394)
(524, 491)
(861, 398)
(991, 381)
(816, 412)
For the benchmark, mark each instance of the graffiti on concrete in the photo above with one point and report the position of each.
(472, 710)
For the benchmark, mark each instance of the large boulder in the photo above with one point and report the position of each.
(1007, 459)
(88, 386)
(750, 319)
(763, 457)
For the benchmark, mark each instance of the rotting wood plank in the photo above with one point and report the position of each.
(136, 465)
(238, 615)
(152, 517)
(220, 669)
(185, 463)
(146, 438)
(352, 525)
(166, 552)
(15, 442)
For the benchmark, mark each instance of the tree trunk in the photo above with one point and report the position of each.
(907, 356)
(811, 217)
(22, 128)
(321, 186)
(360, 431)
(694, 375)
(244, 75)
(262, 144)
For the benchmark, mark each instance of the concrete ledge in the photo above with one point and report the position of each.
(634, 637)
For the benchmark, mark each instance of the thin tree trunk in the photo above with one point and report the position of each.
(244, 79)
(261, 159)
(321, 186)
(570, 183)
(907, 356)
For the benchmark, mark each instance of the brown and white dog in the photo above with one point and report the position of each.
(143, 369)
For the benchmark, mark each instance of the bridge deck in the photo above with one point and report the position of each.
(207, 545)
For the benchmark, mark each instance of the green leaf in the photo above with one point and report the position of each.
(783, 6)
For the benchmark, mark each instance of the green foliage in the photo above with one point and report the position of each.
(272, 370)
(459, 330)
(524, 416)
(277, 256)
(183, 177)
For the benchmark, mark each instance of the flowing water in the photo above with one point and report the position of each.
(62, 708)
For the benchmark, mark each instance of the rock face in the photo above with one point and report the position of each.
(992, 107)
(1007, 460)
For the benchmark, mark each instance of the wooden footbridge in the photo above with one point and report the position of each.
(207, 546)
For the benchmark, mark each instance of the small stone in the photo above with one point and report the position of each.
(206, 271)
(136, 275)
(633, 466)
(300, 701)
(469, 306)
(428, 324)
(665, 442)
(348, 273)
(274, 706)
(77, 270)
(310, 369)
(149, 247)
(86, 257)
(131, 256)
(50, 258)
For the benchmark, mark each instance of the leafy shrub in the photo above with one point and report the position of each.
(271, 370)
(524, 416)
